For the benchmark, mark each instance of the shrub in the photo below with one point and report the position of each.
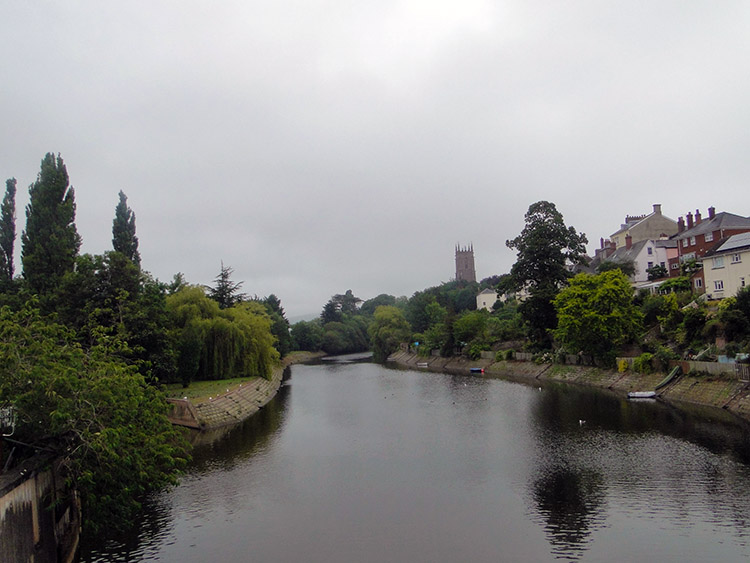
(642, 364)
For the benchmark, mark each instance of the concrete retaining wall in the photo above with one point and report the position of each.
(40, 521)
(229, 408)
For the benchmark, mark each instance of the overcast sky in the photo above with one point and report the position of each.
(317, 146)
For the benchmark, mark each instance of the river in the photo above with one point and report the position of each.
(358, 462)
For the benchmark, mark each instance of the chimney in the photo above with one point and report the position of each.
(697, 217)
(657, 209)
(628, 242)
(680, 225)
(690, 220)
(601, 242)
(711, 212)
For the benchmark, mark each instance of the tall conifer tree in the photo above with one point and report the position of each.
(123, 231)
(50, 243)
(7, 231)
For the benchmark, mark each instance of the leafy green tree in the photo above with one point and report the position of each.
(279, 324)
(7, 232)
(656, 272)
(236, 341)
(307, 335)
(109, 424)
(226, 292)
(544, 248)
(110, 292)
(331, 313)
(369, 306)
(388, 329)
(50, 242)
(470, 327)
(123, 231)
(596, 314)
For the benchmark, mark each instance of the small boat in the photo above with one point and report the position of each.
(642, 395)
(422, 364)
(476, 370)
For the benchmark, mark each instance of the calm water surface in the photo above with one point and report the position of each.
(356, 462)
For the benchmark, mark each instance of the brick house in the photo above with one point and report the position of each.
(697, 236)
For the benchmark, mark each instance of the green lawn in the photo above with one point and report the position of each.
(199, 391)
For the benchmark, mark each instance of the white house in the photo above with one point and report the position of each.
(486, 299)
(727, 268)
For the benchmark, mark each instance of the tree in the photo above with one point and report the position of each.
(7, 231)
(656, 272)
(279, 324)
(307, 335)
(50, 242)
(596, 314)
(226, 292)
(123, 231)
(544, 248)
(233, 342)
(387, 330)
(110, 426)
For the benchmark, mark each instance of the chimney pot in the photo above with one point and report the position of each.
(711, 212)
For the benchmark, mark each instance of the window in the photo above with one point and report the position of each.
(692, 241)
(718, 262)
(708, 237)
(675, 266)
(742, 282)
(698, 283)
(662, 264)
(719, 285)
(736, 258)
(650, 265)
(684, 243)
(650, 251)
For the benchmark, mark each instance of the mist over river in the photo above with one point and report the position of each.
(356, 462)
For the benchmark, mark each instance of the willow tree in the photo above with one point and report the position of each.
(215, 343)
(50, 242)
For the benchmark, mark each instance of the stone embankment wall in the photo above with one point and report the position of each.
(229, 408)
(722, 391)
(40, 521)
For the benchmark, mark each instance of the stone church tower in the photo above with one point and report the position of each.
(465, 264)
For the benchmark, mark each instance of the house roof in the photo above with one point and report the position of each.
(488, 291)
(735, 242)
(719, 221)
(624, 254)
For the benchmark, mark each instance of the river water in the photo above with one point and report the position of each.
(357, 462)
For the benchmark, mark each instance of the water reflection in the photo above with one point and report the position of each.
(217, 450)
(570, 501)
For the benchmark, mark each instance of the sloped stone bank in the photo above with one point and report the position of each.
(719, 392)
(234, 406)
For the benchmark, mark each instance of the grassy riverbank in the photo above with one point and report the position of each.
(720, 392)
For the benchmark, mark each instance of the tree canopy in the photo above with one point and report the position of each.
(596, 314)
(545, 247)
(123, 231)
(226, 292)
(388, 329)
(50, 241)
(118, 443)
(7, 231)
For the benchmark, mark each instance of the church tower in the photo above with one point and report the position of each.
(465, 264)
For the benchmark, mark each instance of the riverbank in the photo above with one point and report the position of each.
(237, 403)
(720, 392)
